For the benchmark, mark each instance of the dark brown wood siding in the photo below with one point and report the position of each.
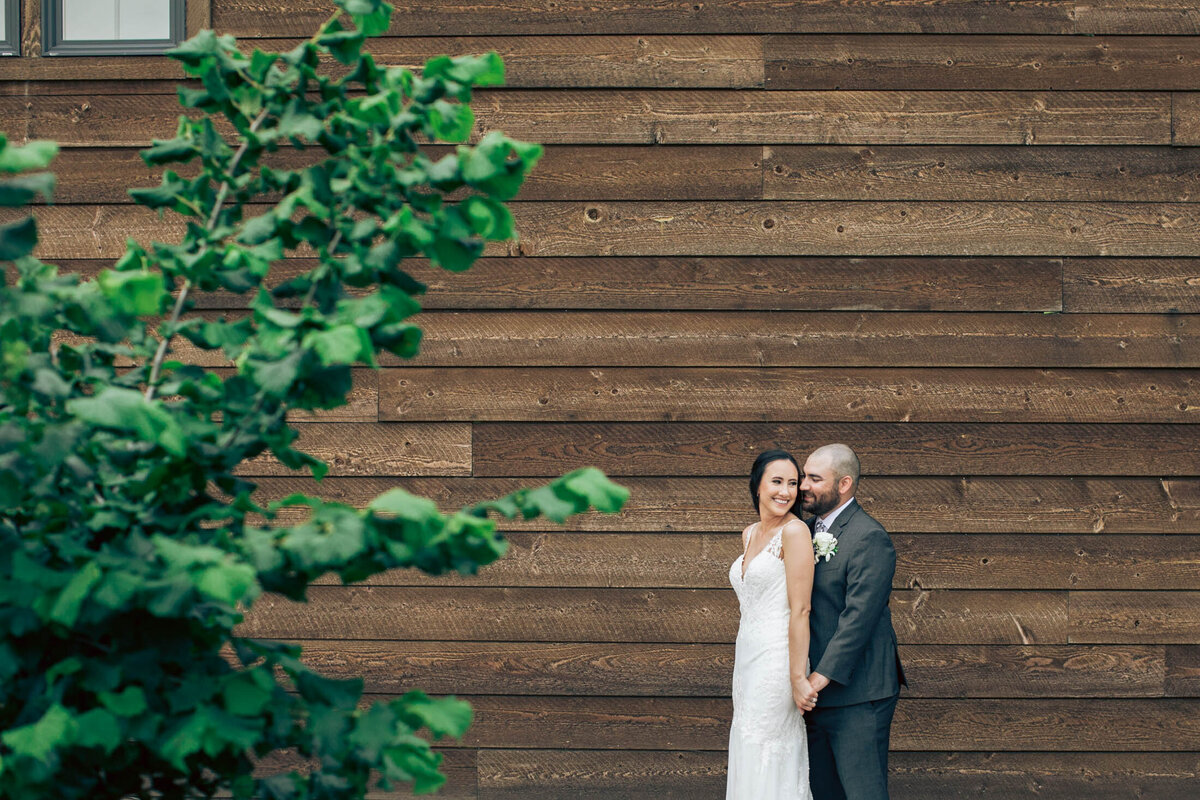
(960, 235)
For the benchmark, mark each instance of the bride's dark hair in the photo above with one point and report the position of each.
(760, 466)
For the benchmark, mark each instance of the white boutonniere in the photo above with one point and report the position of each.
(825, 544)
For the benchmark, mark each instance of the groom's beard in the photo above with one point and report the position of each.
(819, 504)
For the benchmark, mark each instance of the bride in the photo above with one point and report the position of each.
(773, 578)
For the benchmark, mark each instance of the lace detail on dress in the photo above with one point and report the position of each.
(775, 546)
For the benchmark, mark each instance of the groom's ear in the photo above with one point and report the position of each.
(845, 485)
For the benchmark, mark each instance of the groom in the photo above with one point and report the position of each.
(855, 667)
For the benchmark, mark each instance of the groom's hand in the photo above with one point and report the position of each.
(804, 695)
(818, 681)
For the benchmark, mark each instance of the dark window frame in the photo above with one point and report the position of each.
(10, 45)
(53, 44)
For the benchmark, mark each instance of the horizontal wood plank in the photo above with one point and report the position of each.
(706, 670)
(352, 449)
(103, 175)
(927, 560)
(788, 227)
(1183, 671)
(1047, 562)
(506, 774)
(631, 394)
(1082, 174)
(503, 17)
(1102, 285)
(710, 61)
(1136, 617)
(628, 615)
(1070, 725)
(802, 339)
(675, 116)
(600, 774)
(1185, 116)
(902, 505)
(1170, 17)
(686, 448)
(458, 765)
(1063, 776)
(752, 283)
(1058, 63)
(775, 228)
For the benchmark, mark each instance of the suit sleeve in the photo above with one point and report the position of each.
(868, 587)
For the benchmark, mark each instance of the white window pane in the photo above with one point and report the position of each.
(145, 19)
(3, 23)
(89, 19)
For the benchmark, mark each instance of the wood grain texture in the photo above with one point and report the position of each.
(1053, 174)
(628, 615)
(671, 116)
(902, 505)
(684, 448)
(1183, 671)
(1053, 561)
(1185, 116)
(506, 774)
(856, 228)
(530, 17)
(849, 62)
(1068, 725)
(102, 175)
(458, 765)
(1161, 286)
(600, 774)
(710, 61)
(705, 670)
(1117, 725)
(629, 394)
(923, 561)
(352, 449)
(1171, 17)
(751, 283)
(1135, 617)
(803, 339)
(775, 228)
(806, 117)
(1064, 776)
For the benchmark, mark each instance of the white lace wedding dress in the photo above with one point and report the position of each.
(768, 749)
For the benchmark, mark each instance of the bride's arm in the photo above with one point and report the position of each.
(798, 565)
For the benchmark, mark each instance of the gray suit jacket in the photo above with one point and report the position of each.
(853, 642)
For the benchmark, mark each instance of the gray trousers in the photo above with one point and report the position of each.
(848, 750)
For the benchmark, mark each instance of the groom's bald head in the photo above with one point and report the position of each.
(841, 460)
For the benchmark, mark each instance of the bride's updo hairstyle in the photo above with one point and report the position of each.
(760, 466)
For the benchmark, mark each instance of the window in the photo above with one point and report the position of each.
(10, 27)
(111, 27)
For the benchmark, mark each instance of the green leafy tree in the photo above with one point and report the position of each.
(129, 546)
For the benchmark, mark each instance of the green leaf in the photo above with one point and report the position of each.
(134, 293)
(128, 410)
(18, 239)
(170, 151)
(593, 485)
(70, 600)
(343, 694)
(445, 716)
(244, 696)
(399, 503)
(55, 729)
(34, 155)
(130, 702)
(229, 583)
(414, 763)
(343, 344)
(20, 191)
(488, 218)
(451, 122)
(98, 728)
(371, 16)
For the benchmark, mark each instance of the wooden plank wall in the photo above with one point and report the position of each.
(961, 235)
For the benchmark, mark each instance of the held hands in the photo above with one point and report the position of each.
(804, 695)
